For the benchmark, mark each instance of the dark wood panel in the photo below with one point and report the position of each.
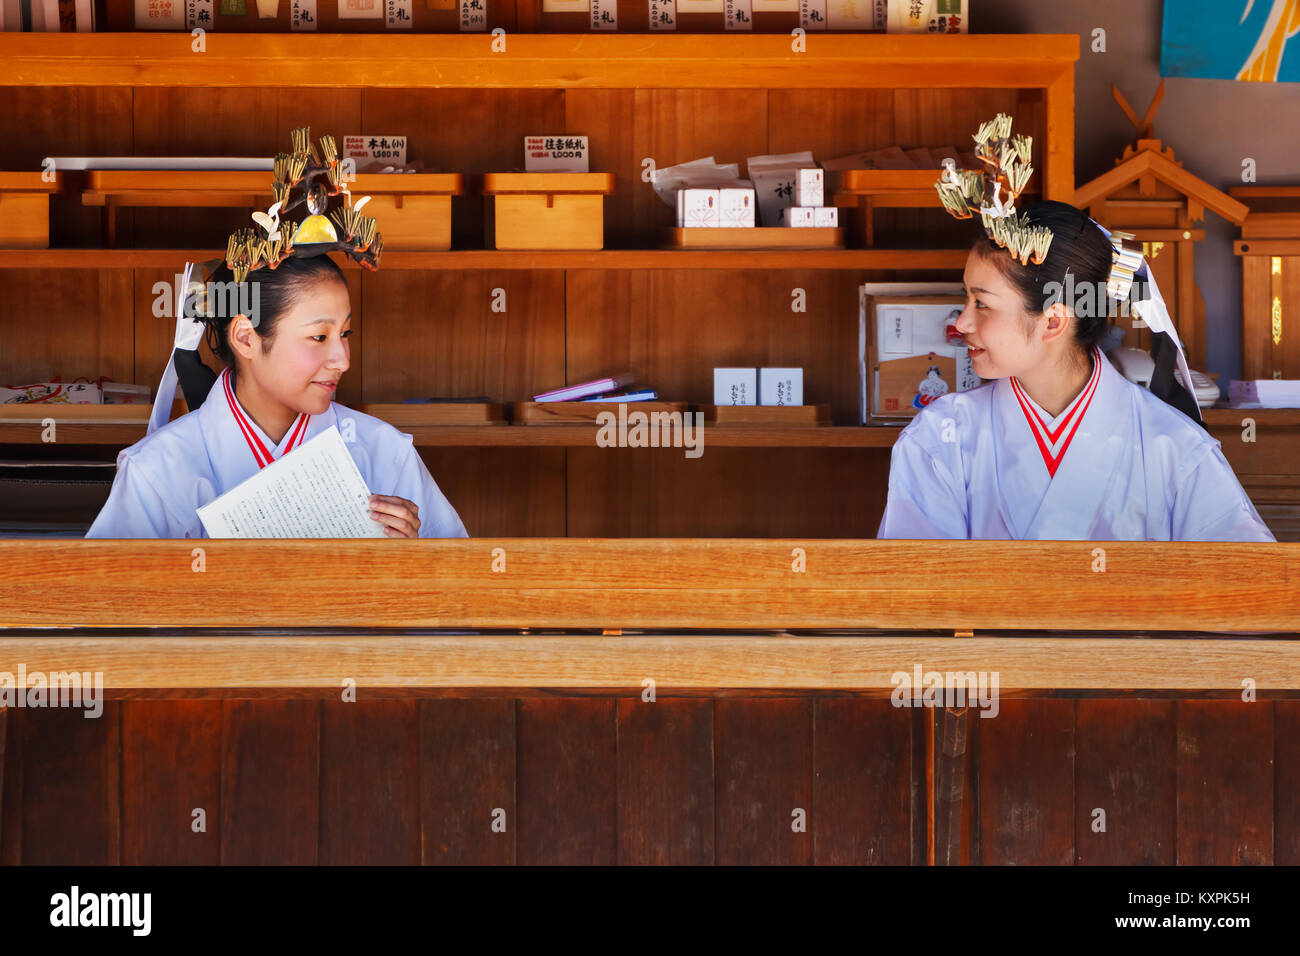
(751, 492)
(764, 774)
(1286, 790)
(667, 127)
(270, 784)
(671, 328)
(920, 784)
(503, 492)
(1125, 766)
(862, 785)
(467, 774)
(1225, 783)
(171, 766)
(5, 781)
(71, 796)
(369, 782)
(665, 781)
(566, 784)
(1026, 783)
(952, 778)
(76, 324)
(443, 333)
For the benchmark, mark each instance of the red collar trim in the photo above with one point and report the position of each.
(261, 455)
(1052, 444)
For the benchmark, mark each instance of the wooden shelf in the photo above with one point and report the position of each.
(484, 259)
(129, 427)
(127, 432)
(552, 61)
(125, 424)
(1268, 417)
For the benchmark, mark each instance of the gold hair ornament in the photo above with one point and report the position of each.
(306, 176)
(992, 192)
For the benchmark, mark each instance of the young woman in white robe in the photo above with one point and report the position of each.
(1058, 445)
(276, 393)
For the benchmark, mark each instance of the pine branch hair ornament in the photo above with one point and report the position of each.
(306, 176)
(993, 190)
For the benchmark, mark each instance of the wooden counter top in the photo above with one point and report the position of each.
(661, 583)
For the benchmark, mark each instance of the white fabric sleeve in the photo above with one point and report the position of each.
(925, 501)
(438, 519)
(1211, 505)
(134, 508)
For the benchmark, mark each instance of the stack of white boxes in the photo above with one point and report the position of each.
(728, 207)
(762, 386)
(808, 210)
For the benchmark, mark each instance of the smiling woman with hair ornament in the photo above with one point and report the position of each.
(282, 328)
(1057, 445)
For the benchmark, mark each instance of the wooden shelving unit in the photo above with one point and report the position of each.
(489, 259)
(426, 319)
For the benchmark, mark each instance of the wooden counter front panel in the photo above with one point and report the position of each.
(575, 780)
(605, 780)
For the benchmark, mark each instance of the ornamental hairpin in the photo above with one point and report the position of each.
(306, 176)
(1126, 260)
(993, 190)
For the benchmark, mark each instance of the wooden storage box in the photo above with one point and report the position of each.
(413, 209)
(546, 210)
(812, 415)
(25, 209)
(755, 237)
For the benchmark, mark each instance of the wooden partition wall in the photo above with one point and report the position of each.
(653, 702)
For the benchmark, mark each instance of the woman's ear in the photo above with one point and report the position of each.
(1058, 317)
(242, 335)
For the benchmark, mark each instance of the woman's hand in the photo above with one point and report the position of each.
(400, 517)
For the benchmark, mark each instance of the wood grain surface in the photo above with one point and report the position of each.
(659, 583)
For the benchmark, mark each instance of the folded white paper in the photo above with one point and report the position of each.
(314, 491)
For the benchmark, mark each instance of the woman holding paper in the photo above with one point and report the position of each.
(276, 393)
(1057, 445)
(277, 312)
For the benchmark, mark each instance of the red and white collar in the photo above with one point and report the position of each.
(1053, 441)
(263, 457)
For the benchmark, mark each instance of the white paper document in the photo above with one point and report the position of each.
(315, 491)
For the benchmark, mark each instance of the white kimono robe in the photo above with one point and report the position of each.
(1128, 467)
(163, 478)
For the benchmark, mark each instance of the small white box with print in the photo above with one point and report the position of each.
(780, 386)
(697, 208)
(735, 386)
(808, 187)
(735, 207)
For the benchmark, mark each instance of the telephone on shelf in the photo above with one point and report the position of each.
(1137, 366)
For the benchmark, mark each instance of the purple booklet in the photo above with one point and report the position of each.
(583, 389)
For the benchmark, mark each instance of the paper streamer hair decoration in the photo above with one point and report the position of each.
(993, 190)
